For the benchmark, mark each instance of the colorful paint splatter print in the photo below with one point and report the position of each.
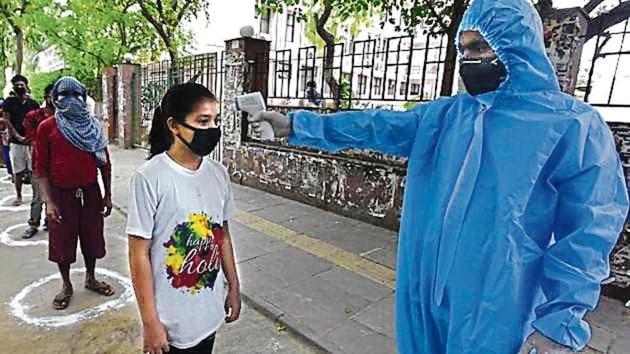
(194, 254)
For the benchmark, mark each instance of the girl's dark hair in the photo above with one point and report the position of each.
(178, 102)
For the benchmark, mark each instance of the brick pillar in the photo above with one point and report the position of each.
(564, 31)
(110, 121)
(246, 70)
(128, 104)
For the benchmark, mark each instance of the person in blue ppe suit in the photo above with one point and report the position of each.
(514, 196)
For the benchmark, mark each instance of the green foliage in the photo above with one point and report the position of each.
(345, 94)
(90, 35)
(166, 17)
(349, 15)
(39, 81)
(410, 104)
(435, 16)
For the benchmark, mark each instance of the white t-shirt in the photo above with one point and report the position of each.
(182, 213)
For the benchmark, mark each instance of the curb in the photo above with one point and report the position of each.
(266, 309)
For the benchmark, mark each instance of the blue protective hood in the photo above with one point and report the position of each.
(514, 31)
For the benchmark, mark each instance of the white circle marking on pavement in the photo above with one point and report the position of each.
(5, 238)
(6, 180)
(23, 207)
(19, 309)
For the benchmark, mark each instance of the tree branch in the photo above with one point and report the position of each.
(329, 60)
(154, 23)
(160, 8)
(591, 5)
(321, 22)
(438, 18)
(604, 21)
(7, 14)
(76, 47)
(459, 7)
(187, 4)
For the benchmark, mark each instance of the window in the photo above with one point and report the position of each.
(363, 84)
(391, 87)
(378, 82)
(290, 35)
(308, 73)
(403, 88)
(265, 20)
(415, 89)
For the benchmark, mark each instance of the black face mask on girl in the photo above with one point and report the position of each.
(204, 140)
(482, 75)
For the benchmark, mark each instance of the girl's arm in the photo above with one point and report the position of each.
(155, 340)
(233, 300)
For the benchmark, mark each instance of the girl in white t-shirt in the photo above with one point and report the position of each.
(180, 250)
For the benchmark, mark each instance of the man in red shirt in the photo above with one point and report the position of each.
(71, 149)
(31, 122)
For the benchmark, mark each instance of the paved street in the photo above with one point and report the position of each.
(116, 330)
(307, 276)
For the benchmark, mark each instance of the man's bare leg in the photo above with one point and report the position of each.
(91, 283)
(18, 188)
(62, 300)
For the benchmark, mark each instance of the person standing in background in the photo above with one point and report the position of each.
(16, 107)
(4, 142)
(31, 123)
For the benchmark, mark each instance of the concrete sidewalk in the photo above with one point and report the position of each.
(329, 278)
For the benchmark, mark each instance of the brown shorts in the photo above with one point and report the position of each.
(81, 219)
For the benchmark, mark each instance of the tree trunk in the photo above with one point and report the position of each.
(606, 20)
(19, 49)
(329, 59)
(448, 76)
(451, 51)
(174, 69)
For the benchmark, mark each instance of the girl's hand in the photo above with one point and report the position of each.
(233, 305)
(155, 341)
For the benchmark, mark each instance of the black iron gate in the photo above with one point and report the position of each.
(157, 77)
(607, 88)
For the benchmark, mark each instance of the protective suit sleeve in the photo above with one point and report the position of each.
(390, 132)
(591, 208)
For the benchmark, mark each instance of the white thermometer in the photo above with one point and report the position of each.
(253, 103)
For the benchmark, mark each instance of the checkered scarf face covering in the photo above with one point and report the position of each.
(73, 120)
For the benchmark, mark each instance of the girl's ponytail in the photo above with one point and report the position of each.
(159, 137)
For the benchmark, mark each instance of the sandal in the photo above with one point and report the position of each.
(99, 287)
(62, 300)
(17, 202)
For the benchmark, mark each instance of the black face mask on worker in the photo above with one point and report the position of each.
(204, 139)
(482, 75)
(19, 90)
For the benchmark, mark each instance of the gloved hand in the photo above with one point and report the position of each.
(536, 343)
(280, 123)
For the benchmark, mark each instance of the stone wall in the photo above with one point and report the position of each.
(110, 108)
(564, 30)
(358, 188)
(121, 104)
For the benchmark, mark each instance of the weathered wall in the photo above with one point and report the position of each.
(361, 189)
(121, 106)
(110, 108)
(564, 29)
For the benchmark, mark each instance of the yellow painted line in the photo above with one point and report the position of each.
(342, 258)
